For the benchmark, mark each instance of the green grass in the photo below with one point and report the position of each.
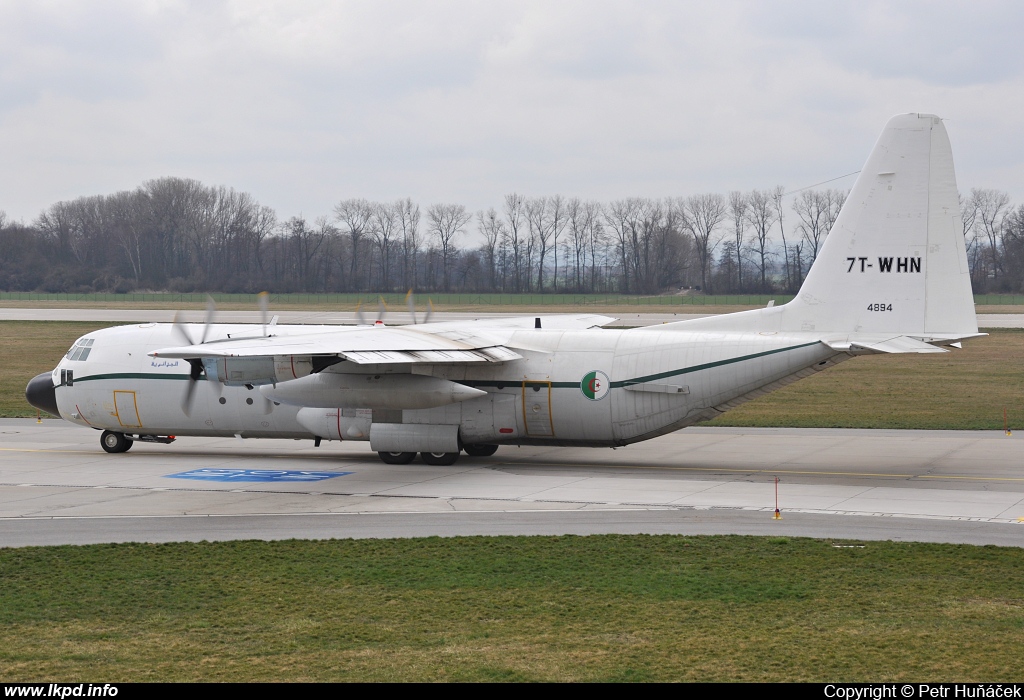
(29, 348)
(959, 390)
(593, 608)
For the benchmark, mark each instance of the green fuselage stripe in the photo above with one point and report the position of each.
(131, 375)
(481, 383)
(708, 365)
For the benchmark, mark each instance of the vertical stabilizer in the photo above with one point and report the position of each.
(895, 260)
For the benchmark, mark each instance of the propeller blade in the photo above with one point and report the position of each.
(186, 400)
(412, 306)
(264, 300)
(360, 319)
(211, 311)
(430, 311)
(382, 311)
(179, 328)
(194, 374)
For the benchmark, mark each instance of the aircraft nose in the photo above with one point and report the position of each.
(42, 394)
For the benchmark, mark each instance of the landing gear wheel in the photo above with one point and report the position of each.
(480, 450)
(439, 459)
(396, 457)
(115, 442)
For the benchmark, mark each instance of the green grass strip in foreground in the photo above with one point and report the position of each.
(507, 608)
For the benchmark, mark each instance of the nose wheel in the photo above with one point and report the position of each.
(115, 442)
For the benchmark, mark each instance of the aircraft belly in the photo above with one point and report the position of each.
(679, 381)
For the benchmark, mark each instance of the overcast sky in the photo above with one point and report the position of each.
(304, 104)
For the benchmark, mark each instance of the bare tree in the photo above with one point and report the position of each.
(356, 215)
(761, 216)
(701, 215)
(777, 195)
(738, 207)
(557, 221)
(385, 228)
(968, 216)
(537, 215)
(446, 222)
(991, 207)
(409, 222)
(835, 200)
(814, 210)
(515, 215)
(493, 229)
(623, 217)
(594, 212)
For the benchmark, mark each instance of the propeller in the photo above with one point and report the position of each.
(411, 303)
(360, 319)
(195, 365)
(382, 311)
(264, 301)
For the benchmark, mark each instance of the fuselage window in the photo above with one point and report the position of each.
(80, 350)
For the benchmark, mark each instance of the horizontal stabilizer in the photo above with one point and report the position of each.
(898, 344)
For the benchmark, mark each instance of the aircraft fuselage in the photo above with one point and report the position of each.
(601, 387)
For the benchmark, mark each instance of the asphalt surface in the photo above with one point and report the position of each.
(58, 487)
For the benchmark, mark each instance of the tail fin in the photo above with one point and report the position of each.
(895, 260)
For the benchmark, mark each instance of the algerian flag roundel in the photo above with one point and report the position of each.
(595, 385)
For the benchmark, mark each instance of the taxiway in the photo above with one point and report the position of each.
(58, 487)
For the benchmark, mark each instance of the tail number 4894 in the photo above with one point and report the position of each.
(879, 307)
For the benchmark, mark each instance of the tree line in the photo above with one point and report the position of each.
(174, 234)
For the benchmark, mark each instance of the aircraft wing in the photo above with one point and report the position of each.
(435, 343)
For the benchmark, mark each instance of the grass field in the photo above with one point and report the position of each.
(599, 608)
(959, 390)
(964, 389)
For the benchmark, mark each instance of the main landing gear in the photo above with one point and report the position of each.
(396, 457)
(437, 459)
(480, 450)
(115, 442)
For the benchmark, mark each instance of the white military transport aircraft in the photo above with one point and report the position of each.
(892, 277)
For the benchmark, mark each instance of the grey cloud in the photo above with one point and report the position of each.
(941, 43)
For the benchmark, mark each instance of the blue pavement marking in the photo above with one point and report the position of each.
(254, 475)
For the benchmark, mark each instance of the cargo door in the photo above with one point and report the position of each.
(537, 409)
(127, 409)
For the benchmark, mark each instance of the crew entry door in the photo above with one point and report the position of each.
(537, 409)
(127, 409)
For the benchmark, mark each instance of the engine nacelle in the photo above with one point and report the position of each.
(385, 391)
(257, 371)
(336, 423)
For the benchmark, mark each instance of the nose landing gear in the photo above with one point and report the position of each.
(115, 442)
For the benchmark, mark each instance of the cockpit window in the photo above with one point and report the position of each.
(80, 350)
